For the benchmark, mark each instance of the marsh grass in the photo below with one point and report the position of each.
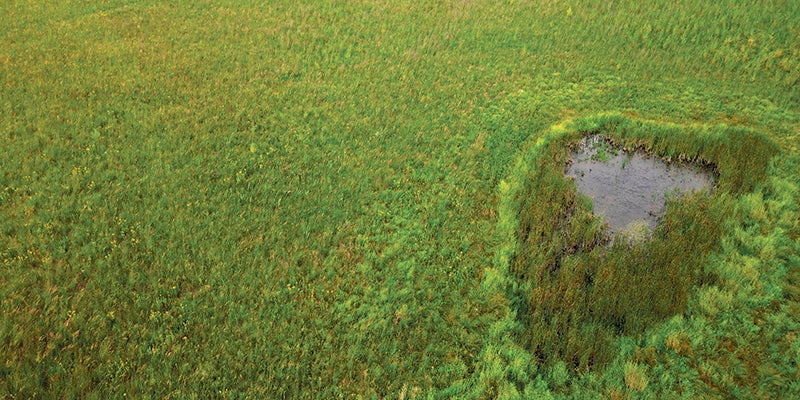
(603, 150)
(300, 199)
(579, 303)
(574, 282)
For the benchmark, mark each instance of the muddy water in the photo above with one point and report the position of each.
(629, 189)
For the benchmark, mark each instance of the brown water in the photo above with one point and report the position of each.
(629, 190)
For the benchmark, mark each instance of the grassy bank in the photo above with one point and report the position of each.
(305, 199)
(583, 306)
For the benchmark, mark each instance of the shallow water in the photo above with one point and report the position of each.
(629, 189)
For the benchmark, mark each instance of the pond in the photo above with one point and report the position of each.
(629, 189)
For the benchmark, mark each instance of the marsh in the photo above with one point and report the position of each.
(629, 189)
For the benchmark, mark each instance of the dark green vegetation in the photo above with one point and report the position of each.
(312, 199)
(575, 292)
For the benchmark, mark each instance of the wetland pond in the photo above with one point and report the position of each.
(629, 189)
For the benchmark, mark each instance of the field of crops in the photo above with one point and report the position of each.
(363, 199)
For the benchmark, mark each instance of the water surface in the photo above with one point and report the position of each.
(629, 189)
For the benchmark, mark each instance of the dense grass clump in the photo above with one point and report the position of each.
(578, 296)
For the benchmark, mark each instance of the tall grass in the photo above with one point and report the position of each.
(577, 301)
(287, 199)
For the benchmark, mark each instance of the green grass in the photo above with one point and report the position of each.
(316, 199)
(575, 304)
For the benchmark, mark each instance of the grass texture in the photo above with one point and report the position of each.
(326, 199)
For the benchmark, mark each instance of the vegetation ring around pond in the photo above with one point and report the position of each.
(583, 306)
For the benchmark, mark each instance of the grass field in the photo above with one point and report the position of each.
(324, 199)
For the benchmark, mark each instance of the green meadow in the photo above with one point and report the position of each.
(365, 199)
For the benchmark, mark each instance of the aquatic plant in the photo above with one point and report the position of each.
(576, 301)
